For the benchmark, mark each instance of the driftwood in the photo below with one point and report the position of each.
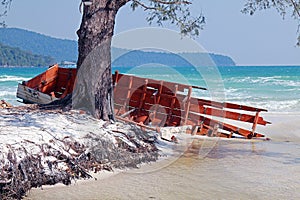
(64, 104)
(4, 104)
(63, 159)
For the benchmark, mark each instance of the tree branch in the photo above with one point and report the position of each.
(6, 5)
(144, 5)
(172, 2)
(176, 12)
(295, 7)
(251, 6)
(122, 2)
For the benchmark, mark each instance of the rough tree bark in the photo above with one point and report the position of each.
(93, 91)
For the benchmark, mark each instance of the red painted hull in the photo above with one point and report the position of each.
(155, 103)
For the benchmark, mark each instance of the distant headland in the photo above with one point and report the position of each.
(20, 47)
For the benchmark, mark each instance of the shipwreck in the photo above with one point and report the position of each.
(153, 103)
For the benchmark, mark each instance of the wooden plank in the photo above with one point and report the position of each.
(228, 105)
(143, 96)
(227, 114)
(187, 105)
(256, 121)
(170, 120)
(231, 128)
(33, 96)
(165, 99)
(157, 98)
(65, 81)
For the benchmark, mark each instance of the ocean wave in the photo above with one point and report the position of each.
(283, 77)
(294, 89)
(6, 78)
(290, 83)
(230, 90)
(271, 105)
(286, 102)
(238, 94)
(7, 93)
(273, 80)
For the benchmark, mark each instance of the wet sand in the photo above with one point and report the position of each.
(233, 169)
(248, 177)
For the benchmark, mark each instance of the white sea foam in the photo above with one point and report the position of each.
(274, 106)
(9, 96)
(289, 105)
(5, 78)
(7, 93)
(231, 90)
(273, 80)
(285, 126)
(265, 101)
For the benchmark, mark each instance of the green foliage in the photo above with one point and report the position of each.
(3, 10)
(176, 12)
(15, 57)
(282, 6)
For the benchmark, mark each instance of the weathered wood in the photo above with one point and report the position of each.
(32, 96)
(157, 97)
(180, 109)
(187, 104)
(255, 122)
(4, 104)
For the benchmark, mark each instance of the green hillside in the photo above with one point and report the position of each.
(59, 49)
(10, 56)
(138, 58)
(66, 50)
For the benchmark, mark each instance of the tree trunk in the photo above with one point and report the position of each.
(93, 90)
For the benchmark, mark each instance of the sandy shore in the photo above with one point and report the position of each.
(196, 168)
(232, 169)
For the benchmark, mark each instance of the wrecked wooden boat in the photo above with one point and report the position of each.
(159, 103)
(55, 83)
(154, 103)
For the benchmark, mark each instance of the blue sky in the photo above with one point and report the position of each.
(262, 39)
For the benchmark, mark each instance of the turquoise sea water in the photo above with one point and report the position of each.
(10, 77)
(276, 88)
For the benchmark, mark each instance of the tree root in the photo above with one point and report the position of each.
(62, 160)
